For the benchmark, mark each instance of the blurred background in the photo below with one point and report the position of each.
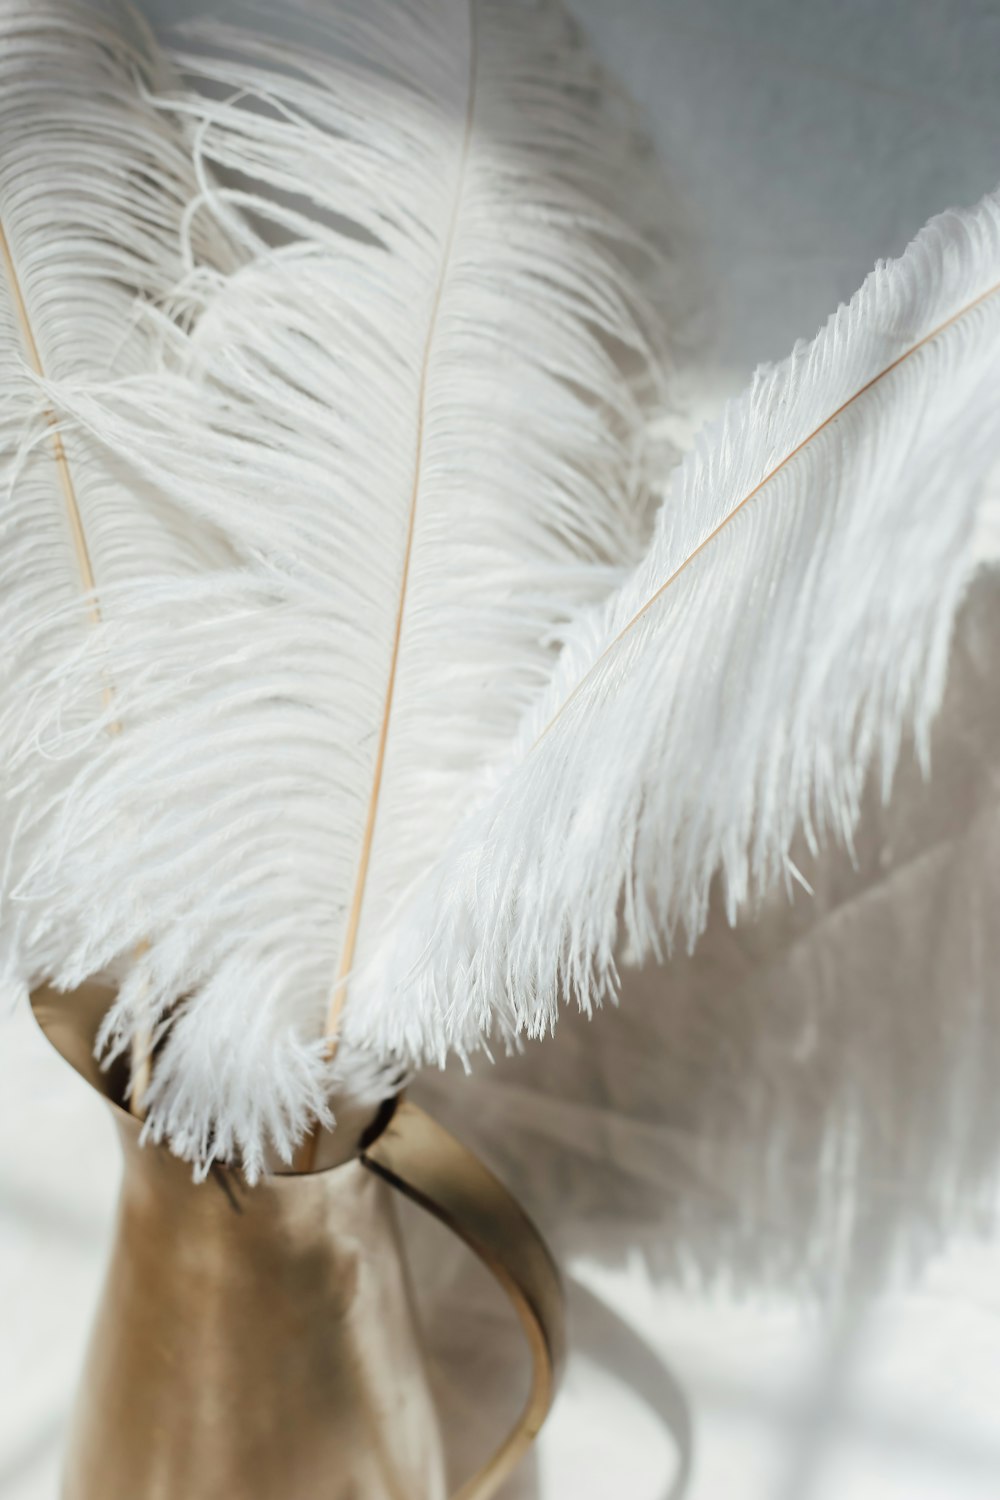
(771, 1175)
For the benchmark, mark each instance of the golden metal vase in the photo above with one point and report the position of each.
(259, 1343)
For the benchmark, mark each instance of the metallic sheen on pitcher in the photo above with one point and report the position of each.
(260, 1342)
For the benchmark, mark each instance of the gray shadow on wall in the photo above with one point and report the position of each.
(606, 1339)
(479, 1363)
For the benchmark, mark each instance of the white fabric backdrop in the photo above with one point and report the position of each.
(772, 1176)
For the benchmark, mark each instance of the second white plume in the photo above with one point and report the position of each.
(790, 620)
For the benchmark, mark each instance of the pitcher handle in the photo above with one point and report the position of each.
(422, 1160)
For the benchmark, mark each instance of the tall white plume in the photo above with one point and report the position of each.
(415, 412)
(790, 620)
(93, 186)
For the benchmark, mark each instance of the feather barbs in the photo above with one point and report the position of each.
(752, 494)
(705, 714)
(407, 423)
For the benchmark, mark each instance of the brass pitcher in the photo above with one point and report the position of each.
(259, 1343)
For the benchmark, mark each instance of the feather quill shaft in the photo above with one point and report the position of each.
(141, 1070)
(752, 495)
(58, 451)
(338, 997)
(92, 187)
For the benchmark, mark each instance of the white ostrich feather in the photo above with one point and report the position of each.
(790, 620)
(93, 185)
(416, 414)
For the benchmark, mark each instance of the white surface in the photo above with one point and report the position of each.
(772, 1177)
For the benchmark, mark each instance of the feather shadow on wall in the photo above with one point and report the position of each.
(439, 719)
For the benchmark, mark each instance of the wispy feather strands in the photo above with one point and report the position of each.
(791, 618)
(416, 413)
(93, 184)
